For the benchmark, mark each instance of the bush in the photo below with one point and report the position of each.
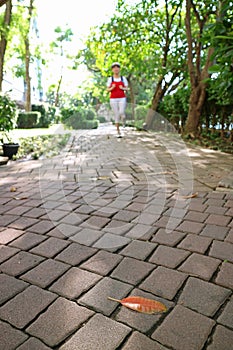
(101, 119)
(89, 114)
(7, 113)
(141, 112)
(28, 120)
(47, 115)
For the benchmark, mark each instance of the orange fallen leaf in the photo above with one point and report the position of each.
(146, 306)
(13, 189)
(20, 198)
(193, 195)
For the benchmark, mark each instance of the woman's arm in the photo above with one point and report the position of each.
(110, 88)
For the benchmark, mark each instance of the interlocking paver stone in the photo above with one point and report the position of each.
(190, 227)
(9, 287)
(168, 256)
(132, 271)
(164, 282)
(98, 334)
(23, 223)
(136, 320)
(7, 252)
(219, 220)
(45, 273)
(33, 344)
(139, 250)
(118, 227)
(222, 250)
(203, 297)
(225, 275)
(97, 297)
(96, 222)
(28, 240)
(42, 227)
(196, 216)
(75, 282)
(10, 337)
(229, 237)
(184, 329)
(125, 215)
(200, 265)
(213, 231)
(138, 341)
(111, 242)
(226, 316)
(8, 219)
(140, 231)
(9, 235)
(195, 243)
(25, 306)
(20, 263)
(170, 239)
(67, 230)
(50, 247)
(87, 236)
(102, 263)
(75, 253)
(61, 319)
(222, 339)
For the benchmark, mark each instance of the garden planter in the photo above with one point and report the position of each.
(10, 149)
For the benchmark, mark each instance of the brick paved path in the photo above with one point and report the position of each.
(108, 218)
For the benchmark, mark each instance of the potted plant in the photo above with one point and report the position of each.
(7, 123)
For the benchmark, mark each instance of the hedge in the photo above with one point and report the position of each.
(28, 120)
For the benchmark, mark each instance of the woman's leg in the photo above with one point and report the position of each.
(114, 103)
(122, 107)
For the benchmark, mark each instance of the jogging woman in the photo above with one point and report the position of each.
(117, 85)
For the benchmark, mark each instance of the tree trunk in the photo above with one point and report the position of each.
(158, 95)
(27, 60)
(56, 103)
(3, 38)
(132, 97)
(3, 2)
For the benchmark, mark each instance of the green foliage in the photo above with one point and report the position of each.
(79, 118)
(7, 113)
(28, 120)
(140, 113)
(101, 119)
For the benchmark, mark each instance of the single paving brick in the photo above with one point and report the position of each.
(6, 220)
(170, 239)
(168, 256)
(164, 282)
(200, 265)
(203, 297)
(60, 320)
(222, 339)
(96, 222)
(219, 220)
(225, 275)
(222, 250)
(118, 227)
(50, 247)
(213, 231)
(66, 230)
(87, 236)
(33, 344)
(125, 215)
(56, 215)
(10, 338)
(229, 237)
(140, 231)
(23, 223)
(138, 250)
(42, 227)
(7, 252)
(138, 341)
(215, 202)
(226, 316)
(9, 235)
(132, 271)
(141, 322)
(195, 243)
(9, 287)
(102, 263)
(27, 241)
(98, 334)
(45, 273)
(111, 242)
(75, 253)
(75, 282)
(216, 210)
(146, 219)
(184, 329)
(20, 263)
(196, 216)
(190, 227)
(35, 212)
(25, 306)
(97, 297)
